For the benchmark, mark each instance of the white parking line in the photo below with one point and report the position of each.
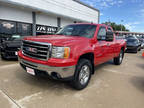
(18, 103)
(11, 101)
(25, 99)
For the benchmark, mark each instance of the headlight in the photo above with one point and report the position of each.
(60, 52)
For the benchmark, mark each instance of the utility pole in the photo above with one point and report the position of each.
(109, 22)
(121, 25)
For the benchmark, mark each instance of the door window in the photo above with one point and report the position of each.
(102, 34)
(109, 29)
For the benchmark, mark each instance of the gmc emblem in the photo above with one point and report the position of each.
(34, 50)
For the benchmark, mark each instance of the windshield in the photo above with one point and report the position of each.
(131, 37)
(15, 37)
(132, 40)
(83, 30)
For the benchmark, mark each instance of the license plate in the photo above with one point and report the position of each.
(16, 53)
(30, 71)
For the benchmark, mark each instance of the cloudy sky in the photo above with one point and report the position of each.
(128, 12)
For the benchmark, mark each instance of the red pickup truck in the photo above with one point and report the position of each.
(71, 53)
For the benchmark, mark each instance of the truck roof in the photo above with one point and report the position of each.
(90, 24)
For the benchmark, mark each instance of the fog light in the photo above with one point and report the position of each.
(55, 75)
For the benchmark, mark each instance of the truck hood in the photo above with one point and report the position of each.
(58, 40)
(14, 43)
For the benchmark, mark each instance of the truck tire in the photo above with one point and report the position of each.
(118, 60)
(139, 49)
(136, 51)
(2, 57)
(82, 74)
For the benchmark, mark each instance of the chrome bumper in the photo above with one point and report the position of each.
(64, 72)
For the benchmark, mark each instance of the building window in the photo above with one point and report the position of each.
(24, 29)
(12, 27)
(7, 27)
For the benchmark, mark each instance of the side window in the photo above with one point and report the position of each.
(102, 33)
(109, 29)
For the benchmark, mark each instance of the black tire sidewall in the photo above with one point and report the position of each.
(122, 56)
(117, 59)
(76, 82)
(136, 50)
(3, 57)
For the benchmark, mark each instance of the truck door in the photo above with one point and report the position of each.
(111, 46)
(101, 47)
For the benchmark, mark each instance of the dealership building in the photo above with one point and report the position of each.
(37, 17)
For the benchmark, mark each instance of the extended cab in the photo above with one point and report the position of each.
(71, 53)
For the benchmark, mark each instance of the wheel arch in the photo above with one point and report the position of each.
(89, 56)
(123, 48)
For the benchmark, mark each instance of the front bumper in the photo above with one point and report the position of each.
(132, 47)
(9, 54)
(54, 72)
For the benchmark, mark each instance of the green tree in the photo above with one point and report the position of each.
(116, 27)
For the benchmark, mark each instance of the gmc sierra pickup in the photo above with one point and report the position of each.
(71, 53)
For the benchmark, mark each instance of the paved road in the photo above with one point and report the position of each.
(110, 87)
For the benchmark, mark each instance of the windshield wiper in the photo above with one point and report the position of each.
(75, 35)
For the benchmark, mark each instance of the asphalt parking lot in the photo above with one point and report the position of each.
(110, 87)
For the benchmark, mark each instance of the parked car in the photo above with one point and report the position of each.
(72, 53)
(121, 37)
(133, 45)
(3, 37)
(141, 41)
(10, 47)
(142, 44)
(130, 37)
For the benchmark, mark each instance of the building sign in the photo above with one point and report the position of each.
(7, 25)
(41, 29)
(46, 29)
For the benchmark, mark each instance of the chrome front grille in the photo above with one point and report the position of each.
(37, 50)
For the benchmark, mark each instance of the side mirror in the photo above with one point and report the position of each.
(109, 36)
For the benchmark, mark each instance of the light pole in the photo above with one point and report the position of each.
(109, 22)
(121, 25)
